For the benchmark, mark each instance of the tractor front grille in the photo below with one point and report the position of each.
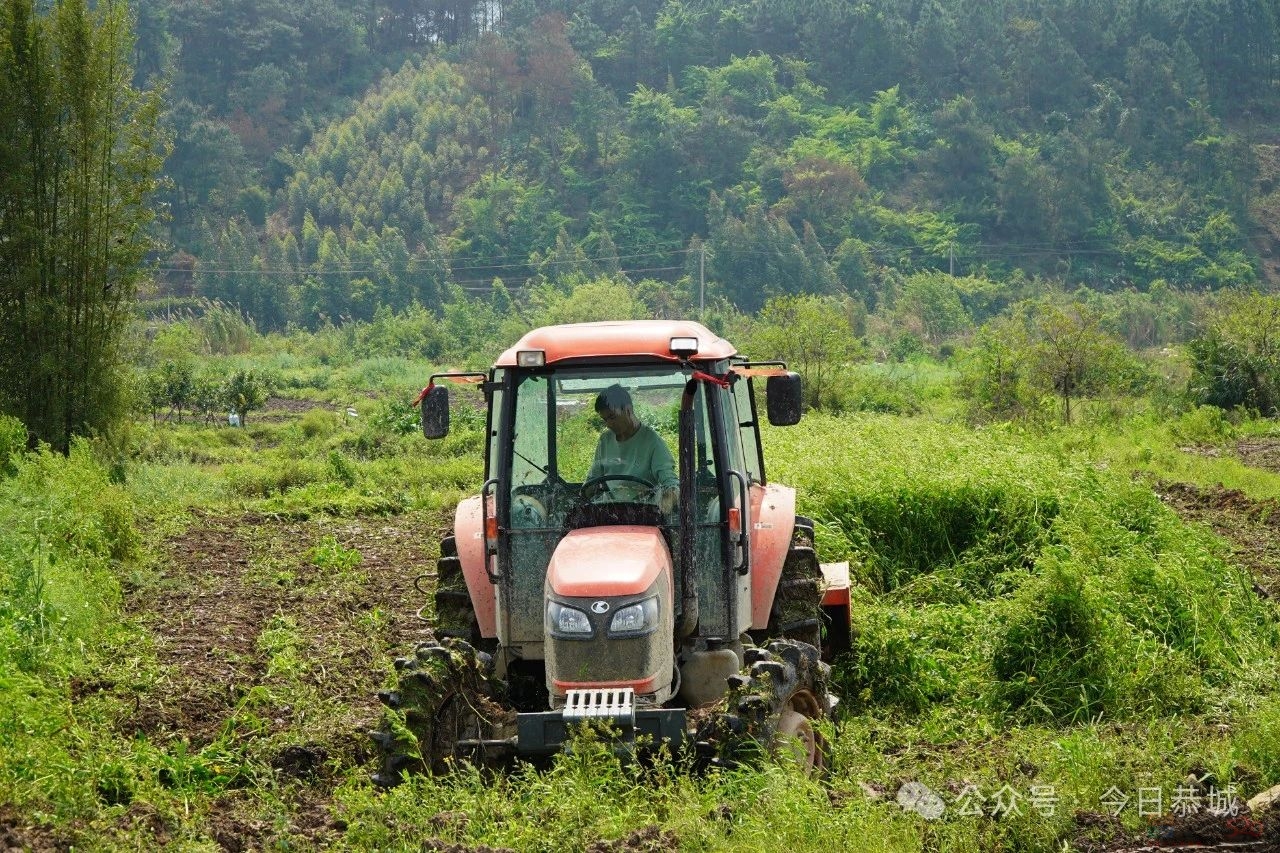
(615, 704)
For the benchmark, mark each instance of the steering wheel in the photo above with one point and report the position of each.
(586, 493)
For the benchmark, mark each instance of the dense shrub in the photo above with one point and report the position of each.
(13, 440)
(318, 423)
(1235, 360)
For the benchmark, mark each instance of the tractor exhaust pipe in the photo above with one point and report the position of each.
(688, 513)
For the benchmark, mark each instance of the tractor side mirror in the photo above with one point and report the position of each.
(783, 399)
(435, 412)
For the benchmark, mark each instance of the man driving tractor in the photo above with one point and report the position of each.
(628, 447)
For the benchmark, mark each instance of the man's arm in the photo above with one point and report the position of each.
(666, 483)
(597, 466)
(597, 461)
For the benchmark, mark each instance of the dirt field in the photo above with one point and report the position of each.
(233, 593)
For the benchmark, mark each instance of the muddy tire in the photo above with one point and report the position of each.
(455, 617)
(772, 709)
(444, 694)
(797, 604)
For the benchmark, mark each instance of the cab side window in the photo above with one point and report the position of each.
(748, 435)
(529, 442)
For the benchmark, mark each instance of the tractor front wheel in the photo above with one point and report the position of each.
(444, 694)
(797, 738)
(772, 709)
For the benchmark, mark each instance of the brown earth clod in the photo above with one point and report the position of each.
(650, 839)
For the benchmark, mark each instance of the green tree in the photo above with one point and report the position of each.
(154, 394)
(80, 153)
(473, 330)
(1235, 360)
(207, 400)
(852, 265)
(759, 256)
(659, 135)
(1069, 353)
(1044, 71)
(960, 164)
(994, 370)
(587, 301)
(206, 167)
(177, 380)
(813, 334)
(932, 300)
(245, 392)
(681, 35)
(822, 193)
(1042, 348)
(1022, 188)
(934, 43)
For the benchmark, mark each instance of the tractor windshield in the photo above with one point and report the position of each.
(615, 432)
(601, 446)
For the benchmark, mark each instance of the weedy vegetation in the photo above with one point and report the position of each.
(194, 622)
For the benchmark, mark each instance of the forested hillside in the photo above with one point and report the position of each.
(729, 151)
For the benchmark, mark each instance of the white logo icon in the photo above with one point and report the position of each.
(917, 797)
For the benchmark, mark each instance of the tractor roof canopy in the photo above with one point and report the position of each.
(631, 338)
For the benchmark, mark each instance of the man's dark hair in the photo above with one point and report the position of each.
(615, 398)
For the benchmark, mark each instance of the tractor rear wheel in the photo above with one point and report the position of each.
(772, 709)
(444, 694)
(455, 617)
(797, 604)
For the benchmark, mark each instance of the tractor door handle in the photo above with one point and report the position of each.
(744, 523)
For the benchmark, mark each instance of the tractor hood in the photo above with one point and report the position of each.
(605, 562)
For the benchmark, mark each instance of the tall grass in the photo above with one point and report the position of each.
(1005, 576)
(590, 797)
(62, 526)
(65, 530)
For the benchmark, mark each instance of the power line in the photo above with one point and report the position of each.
(516, 285)
(483, 266)
(449, 268)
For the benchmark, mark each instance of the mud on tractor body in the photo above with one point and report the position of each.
(676, 598)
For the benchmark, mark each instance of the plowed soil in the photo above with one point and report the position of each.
(1243, 831)
(226, 578)
(226, 581)
(1250, 527)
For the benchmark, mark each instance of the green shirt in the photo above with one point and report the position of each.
(644, 455)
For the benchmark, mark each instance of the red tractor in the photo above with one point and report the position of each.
(626, 562)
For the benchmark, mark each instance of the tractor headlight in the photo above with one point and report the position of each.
(567, 621)
(638, 618)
